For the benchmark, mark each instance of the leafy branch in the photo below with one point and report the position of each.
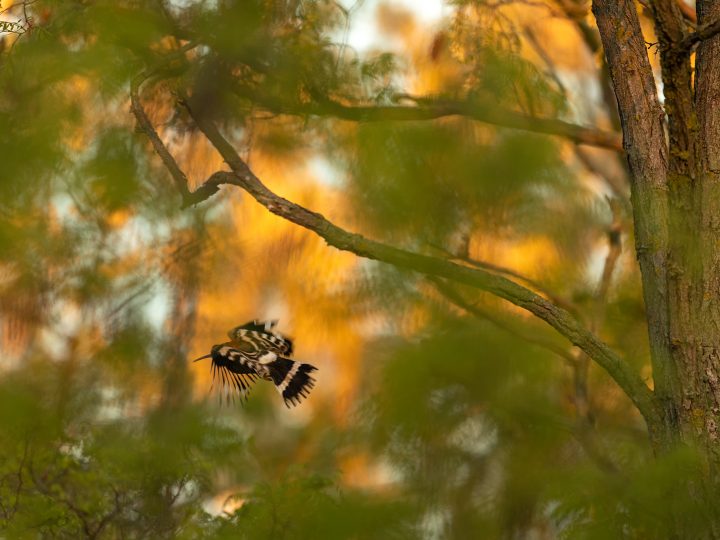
(241, 175)
(431, 108)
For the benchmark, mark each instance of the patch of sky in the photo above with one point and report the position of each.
(325, 173)
(157, 308)
(363, 34)
(184, 4)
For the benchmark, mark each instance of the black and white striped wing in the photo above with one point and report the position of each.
(261, 335)
(235, 370)
(293, 380)
(239, 364)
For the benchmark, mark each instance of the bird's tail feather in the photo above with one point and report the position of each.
(292, 379)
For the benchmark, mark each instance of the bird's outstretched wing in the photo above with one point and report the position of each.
(238, 364)
(262, 337)
(233, 369)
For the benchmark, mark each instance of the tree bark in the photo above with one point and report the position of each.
(642, 121)
(676, 206)
(696, 332)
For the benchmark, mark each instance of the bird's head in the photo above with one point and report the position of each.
(215, 348)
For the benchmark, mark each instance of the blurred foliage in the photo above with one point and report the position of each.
(429, 420)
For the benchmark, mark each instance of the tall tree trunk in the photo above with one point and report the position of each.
(676, 206)
(642, 120)
(693, 272)
(696, 336)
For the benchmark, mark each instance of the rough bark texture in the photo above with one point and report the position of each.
(693, 254)
(642, 120)
(676, 205)
(698, 353)
(684, 272)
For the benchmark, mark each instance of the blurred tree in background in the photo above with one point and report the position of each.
(414, 211)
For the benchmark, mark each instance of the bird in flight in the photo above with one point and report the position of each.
(256, 351)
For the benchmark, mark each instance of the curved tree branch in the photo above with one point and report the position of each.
(209, 187)
(426, 108)
(558, 318)
(432, 108)
(704, 32)
(145, 125)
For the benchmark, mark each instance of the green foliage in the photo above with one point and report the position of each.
(463, 428)
(402, 174)
(111, 172)
(309, 506)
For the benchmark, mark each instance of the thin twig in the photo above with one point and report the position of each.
(704, 32)
(618, 186)
(531, 337)
(547, 60)
(430, 108)
(582, 432)
(533, 284)
(582, 365)
(189, 198)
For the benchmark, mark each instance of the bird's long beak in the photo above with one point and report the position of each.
(206, 356)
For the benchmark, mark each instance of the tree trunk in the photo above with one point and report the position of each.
(642, 120)
(693, 273)
(695, 276)
(676, 206)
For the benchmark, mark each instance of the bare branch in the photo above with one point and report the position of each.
(616, 181)
(575, 11)
(581, 367)
(145, 125)
(704, 32)
(558, 318)
(614, 235)
(552, 70)
(583, 431)
(432, 108)
(12, 28)
(210, 186)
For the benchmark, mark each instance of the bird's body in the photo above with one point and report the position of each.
(256, 351)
